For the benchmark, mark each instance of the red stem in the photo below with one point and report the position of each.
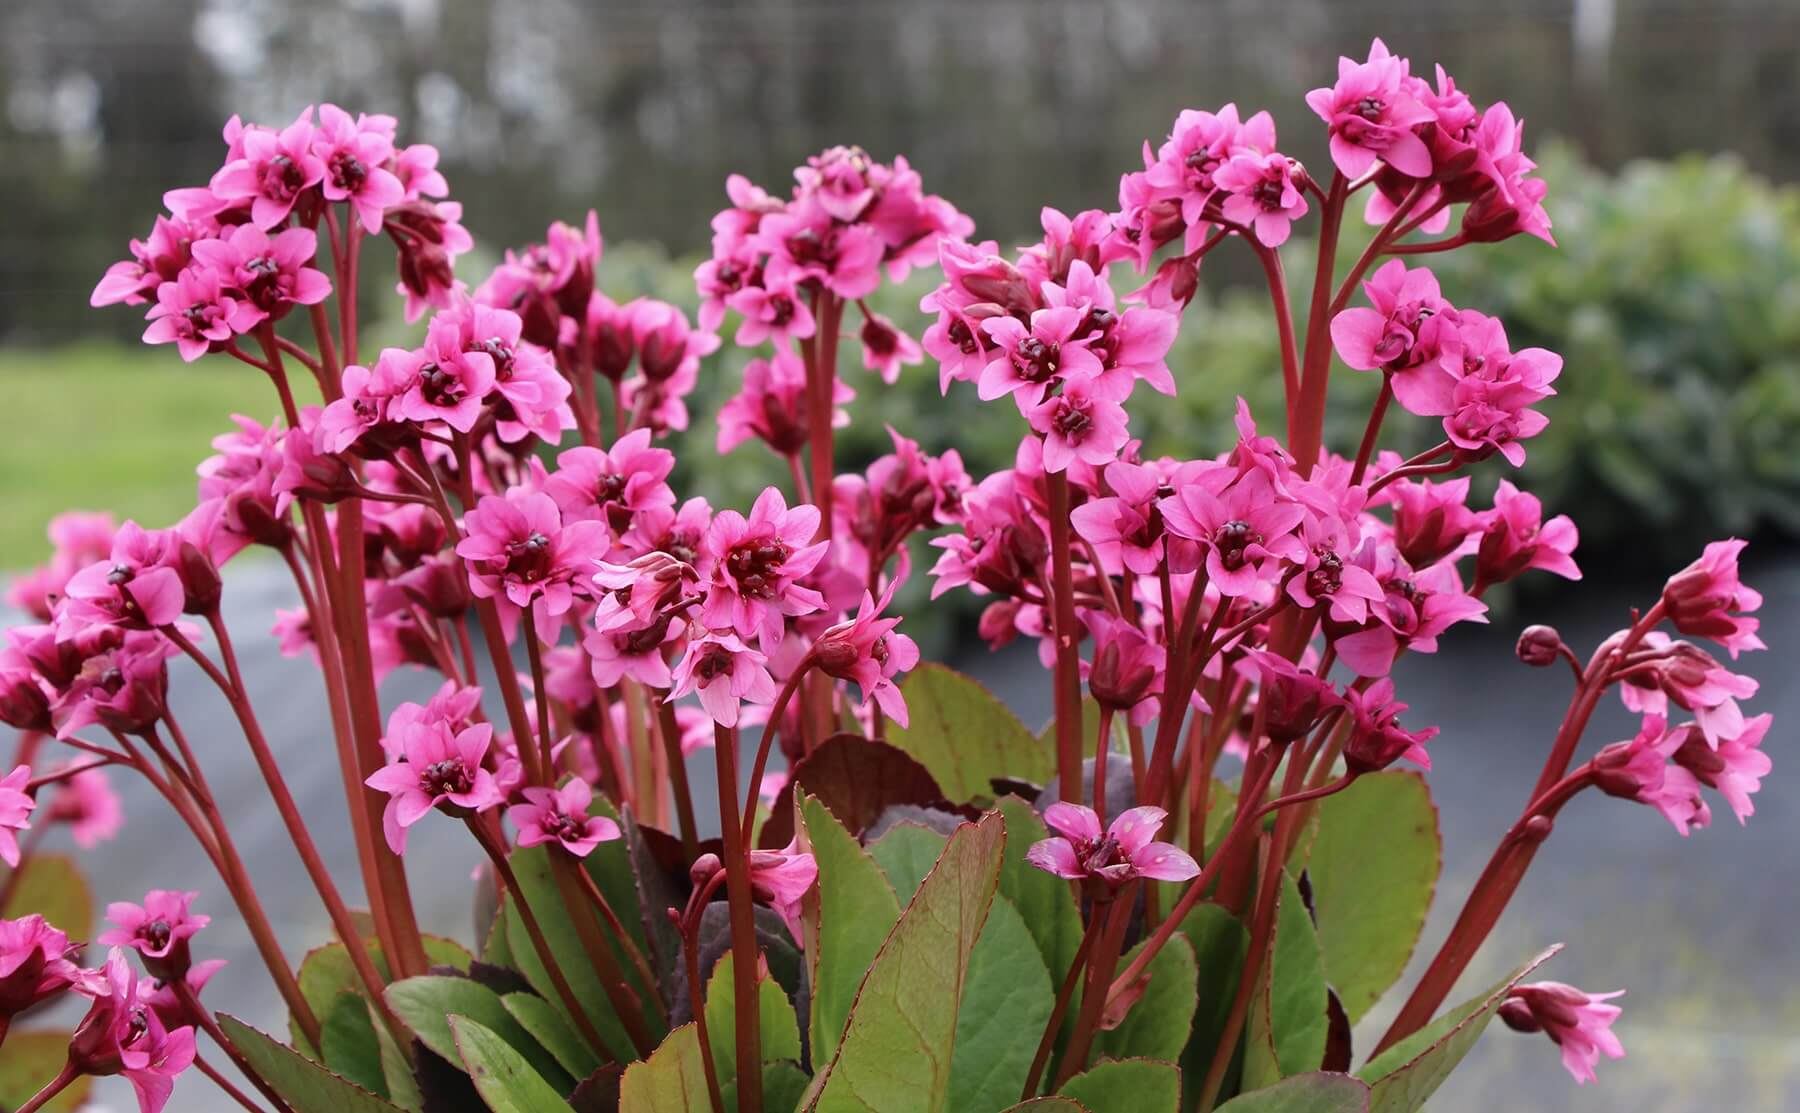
(1067, 677)
(1064, 995)
(743, 926)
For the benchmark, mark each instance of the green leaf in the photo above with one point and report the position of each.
(32, 1059)
(1127, 1086)
(1379, 836)
(396, 1067)
(350, 1047)
(780, 1030)
(1287, 1025)
(1048, 1105)
(784, 1086)
(1407, 1074)
(906, 854)
(52, 886)
(501, 1076)
(1221, 943)
(1157, 1026)
(1318, 1092)
(964, 736)
(426, 1004)
(857, 906)
(1090, 726)
(895, 1056)
(306, 1085)
(327, 971)
(1041, 898)
(532, 867)
(550, 1028)
(1006, 1003)
(671, 1080)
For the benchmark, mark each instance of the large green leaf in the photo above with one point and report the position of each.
(306, 1085)
(1373, 869)
(532, 868)
(1157, 1027)
(964, 736)
(1043, 899)
(350, 1047)
(1318, 1092)
(1221, 943)
(549, 1027)
(1048, 1105)
(857, 906)
(32, 1059)
(1006, 1003)
(906, 854)
(1406, 1075)
(426, 1004)
(1127, 1086)
(501, 1076)
(780, 1030)
(1287, 1024)
(327, 972)
(52, 886)
(671, 1080)
(895, 1056)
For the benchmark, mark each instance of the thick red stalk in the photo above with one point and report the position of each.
(670, 731)
(1306, 436)
(1103, 959)
(1067, 677)
(743, 926)
(1064, 994)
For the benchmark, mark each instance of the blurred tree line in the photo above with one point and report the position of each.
(641, 107)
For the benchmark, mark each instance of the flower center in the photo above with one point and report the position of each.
(348, 171)
(1370, 109)
(1232, 539)
(756, 566)
(445, 778)
(1036, 360)
(440, 387)
(529, 560)
(281, 179)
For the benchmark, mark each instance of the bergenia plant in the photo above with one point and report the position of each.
(1164, 901)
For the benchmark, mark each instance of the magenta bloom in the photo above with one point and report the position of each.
(1376, 738)
(1372, 115)
(1735, 766)
(268, 275)
(1495, 389)
(666, 346)
(1706, 599)
(782, 878)
(193, 312)
(137, 587)
(15, 812)
(1197, 148)
(37, 962)
(1127, 668)
(1578, 1022)
(1291, 699)
(518, 546)
(885, 347)
(1079, 853)
(1639, 769)
(356, 153)
(1410, 331)
(1416, 607)
(275, 168)
(88, 804)
(123, 1034)
(753, 568)
(1245, 530)
(444, 385)
(1028, 358)
(615, 485)
(868, 651)
(158, 930)
(633, 649)
(773, 406)
(724, 671)
(1083, 423)
(1431, 520)
(1517, 539)
(560, 815)
(371, 399)
(123, 687)
(435, 768)
(153, 262)
(805, 243)
(1261, 194)
(1125, 527)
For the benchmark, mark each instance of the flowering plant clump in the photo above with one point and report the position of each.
(1167, 900)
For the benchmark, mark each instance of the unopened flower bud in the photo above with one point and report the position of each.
(23, 704)
(1539, 646)
(200, 583)
(1626, 769)
(704, 868)
(1517, 1015)
(835, 657)
(1537, 829)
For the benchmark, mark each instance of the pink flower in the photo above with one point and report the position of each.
(1706, 599)
(1127, 668)
(1687, 675)
(137, 587)
(444, 385)
(1418, 605)
(1517, 539)
(1511, 202)
(518, 546)
(416, 169)
(560, 815)
(1330, 530)
(773, 406)
(355, 153)
(1124, 527)
(782, 878)
(428, 238)
(868, 651)
(193, 312)
(122, 1034)
(1734, 766)
(1639, 770)
(1410, 332)
(1262, 194)
(615, 485)
(1577, 1021)
(88, 804)
(1431, 520)
(633, 650)
(123, 687)
(1078, 852)
(77, 538)
(885, 347)
(666, 346)
(1495, 388)
(371, 399)
(158, 930)
(273, 171)
(1029, 358)
(1376, 738)
(805, 244)
(1372, 116)
(1082, 423)
(724, 671)
(1245, 530)
(153, 262)
(37, 962)
(268, 275)
(435, 768)
(163, 1000)
(1197, 148)
(16, 806)
(753, 568)
(1291, 699)
(1131, 345)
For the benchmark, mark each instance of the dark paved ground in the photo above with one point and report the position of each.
(1699, 929)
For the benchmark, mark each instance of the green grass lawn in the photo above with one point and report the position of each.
(108, 427)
